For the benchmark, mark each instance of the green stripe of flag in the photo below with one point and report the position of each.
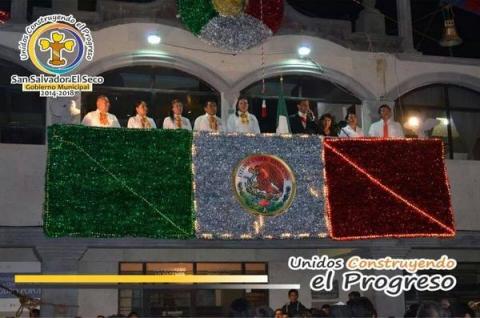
(107, 182)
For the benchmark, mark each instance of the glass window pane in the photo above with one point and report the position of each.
(170, 268)
(466, 135)
(429, 96)
(125, 302)
(131, 267)
(126, 293)
(302, 86)
(255, 268)
(463, 98)
(219, 268)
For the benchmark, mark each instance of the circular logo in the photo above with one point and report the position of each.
(264, 184)
(56, 48)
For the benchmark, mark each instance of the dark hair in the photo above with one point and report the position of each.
(132, 314)
(293, 291)
(173, 102)
(137, 104)
(326, 306)
(303, 100)
(348, 114)
(238, 101)
(278, 309)
(428, 309)
(209, 101)
(354, 294)
(362, 307)
(326, 115)
(412, 311)
(383, 106)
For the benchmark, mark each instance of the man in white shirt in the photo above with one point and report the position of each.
(140, 120)
(386, 127)
(351, 130)
(210, 121)
(242, 121)
(101, 117)
(176, 120)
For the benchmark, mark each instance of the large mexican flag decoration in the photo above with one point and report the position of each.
(172, 184)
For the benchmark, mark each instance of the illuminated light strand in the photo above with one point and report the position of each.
(381, 236)
(445, 175)
(388, 190)
(325, 193)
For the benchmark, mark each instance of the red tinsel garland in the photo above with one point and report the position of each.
(378, 188)
(272, 12)
(4, 16)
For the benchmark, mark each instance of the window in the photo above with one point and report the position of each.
(22, 115)
(449, 112)
(185, 302)
(324, 97)
(157, 86)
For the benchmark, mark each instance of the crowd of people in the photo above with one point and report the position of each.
(302, 122)
(357, 306)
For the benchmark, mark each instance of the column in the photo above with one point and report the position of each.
(405, 27)
(18, 11)
(59, 259)
(388, 306)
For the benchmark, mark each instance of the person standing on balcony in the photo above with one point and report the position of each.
(326, 126)
(386, 127)
(176, 120)
(303, 122)
(140, 120)
(101, 117)
(242, 121)
(351, 130)
(210, 121)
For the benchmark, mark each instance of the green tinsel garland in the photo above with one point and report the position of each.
(195, 13)
(107, 182)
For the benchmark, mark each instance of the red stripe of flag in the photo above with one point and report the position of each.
(473, 6)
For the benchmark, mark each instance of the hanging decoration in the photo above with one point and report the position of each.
(232, 25)
(229, 7)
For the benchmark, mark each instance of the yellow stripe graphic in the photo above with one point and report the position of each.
(138, 279)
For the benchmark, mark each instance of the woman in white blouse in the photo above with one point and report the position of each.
(140, 120)
(176, 120)
(242, 121)
(351, 130)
